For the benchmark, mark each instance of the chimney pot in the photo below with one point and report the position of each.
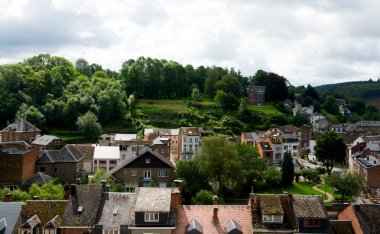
(35, 197)
(215, 200)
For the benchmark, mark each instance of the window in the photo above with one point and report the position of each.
(162, 150)
(147, 160)
(134, 148)
(162, 173)
(311, 222)
(272, 218)
(133, 173)
(49, 231)
(43, 169)
(110, 231)
(147, 174)
(151, 217)
(294, 147)
(196, 140)
(55, 170)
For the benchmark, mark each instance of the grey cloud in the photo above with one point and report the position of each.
(222, 48)
(45, 28)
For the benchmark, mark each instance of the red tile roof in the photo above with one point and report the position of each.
(203, 214)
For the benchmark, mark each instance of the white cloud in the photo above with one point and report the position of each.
(306, 41)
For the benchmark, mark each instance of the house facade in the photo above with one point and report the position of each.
(66, 164)
(191, 140)
(174, 136)
(21, 130)
(143, 170)
(256, 95)
(17, 163)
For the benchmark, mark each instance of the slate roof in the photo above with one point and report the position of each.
(251, 135)
(43, 209)
(153, 199)
(125, 137)
(9, 212)
(309, 207)
(342, 226)
(142, 152)
(116, 209)
(270, 204)
(21, 125)
(39, 178)
(368, 216)
(87, 151)
(45, 140)
(203, 215)
(69, 153)
(88, 197)
(161, 141)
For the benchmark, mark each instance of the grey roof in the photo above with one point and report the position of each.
(142, 152)
(251, 135)
(45, 140)
(21, 125)
(368, 216)
(9, 212)
(39, 178)
(368, 123)
(69, 153)
(194, 227)
(309, 207)
(161, 141)
(153, 199)
(88, 197)
(3, 224)
(116, 210)
(289, 137)
(232, 227)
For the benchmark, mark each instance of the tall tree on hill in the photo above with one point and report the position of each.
(310, 92)
(330, 148)
(230, 84)
(213, 75)
(331, 105)
(260, 78)
(287, 169)
(276, 89)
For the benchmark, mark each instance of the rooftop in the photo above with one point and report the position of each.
(309, 207)
(125, 137)
(9, 212)
(107, 152)
(153, 199)
(45, 140)
(21, 125)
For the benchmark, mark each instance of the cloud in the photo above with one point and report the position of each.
(306, 41)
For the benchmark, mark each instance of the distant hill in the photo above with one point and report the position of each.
(364, 89)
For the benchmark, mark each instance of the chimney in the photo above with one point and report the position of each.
(73, 190)
(104, 187)
(215, 200)
(179, 185)
(35, 198)
(215, 217)
(8, 197)
(175, 200)
(78, 181)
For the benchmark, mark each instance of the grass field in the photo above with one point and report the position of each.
(301, 188)
(71, 136)
(268, 110)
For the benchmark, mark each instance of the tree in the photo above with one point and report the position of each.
(357, 105)
(330, 148)
(31, 114)
(347, 184)
(331, 105)
(83, 67)
(203, 197)
(226, 100)
(287, 169)
(88, 124)
(276, 89)
(311, 93)
(230, 84)
(196, 95)
(99, 175)
(260, 78)
(272, 177)
(49, 191)
(219, 161)
(244, 114)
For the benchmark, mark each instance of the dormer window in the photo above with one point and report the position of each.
(273, 218)
(311, 222)
(151, 217)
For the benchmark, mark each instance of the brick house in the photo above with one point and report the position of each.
(364, 217)
(174, 136)
(256, 95)
(146, 168)
(40, 217)
(17, 163)
(21, 130)
(66, 164)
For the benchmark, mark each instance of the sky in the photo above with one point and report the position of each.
(307, 41)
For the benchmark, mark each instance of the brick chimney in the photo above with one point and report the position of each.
(215, 200)
(179, 185)
(175, 200)
(215, 216)
(9, 197)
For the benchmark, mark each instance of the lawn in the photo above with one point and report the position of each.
(301, 188)
(268, 110)
(71, 136)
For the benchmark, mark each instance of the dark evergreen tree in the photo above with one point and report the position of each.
(287, 169)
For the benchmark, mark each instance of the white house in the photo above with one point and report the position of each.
(191, 139)
(106, 157)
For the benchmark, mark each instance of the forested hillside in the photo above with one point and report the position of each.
(363, 89)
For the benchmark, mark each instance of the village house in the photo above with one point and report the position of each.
(21, 130)
(132, 148)
(66, 164)
(250, 138)
(40, 217)
(88, 152)
(17, 163)
(191, 141)
(363, 218)
(48, 142)
(106, 157)
(143, 170)
(256, 95)
(174, 136)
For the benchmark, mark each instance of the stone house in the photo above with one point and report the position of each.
(146, 168)
(256, 95)
(48, 142)
(66, 164)
(21, 130)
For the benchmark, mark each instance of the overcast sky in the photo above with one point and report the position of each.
(307, 41)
